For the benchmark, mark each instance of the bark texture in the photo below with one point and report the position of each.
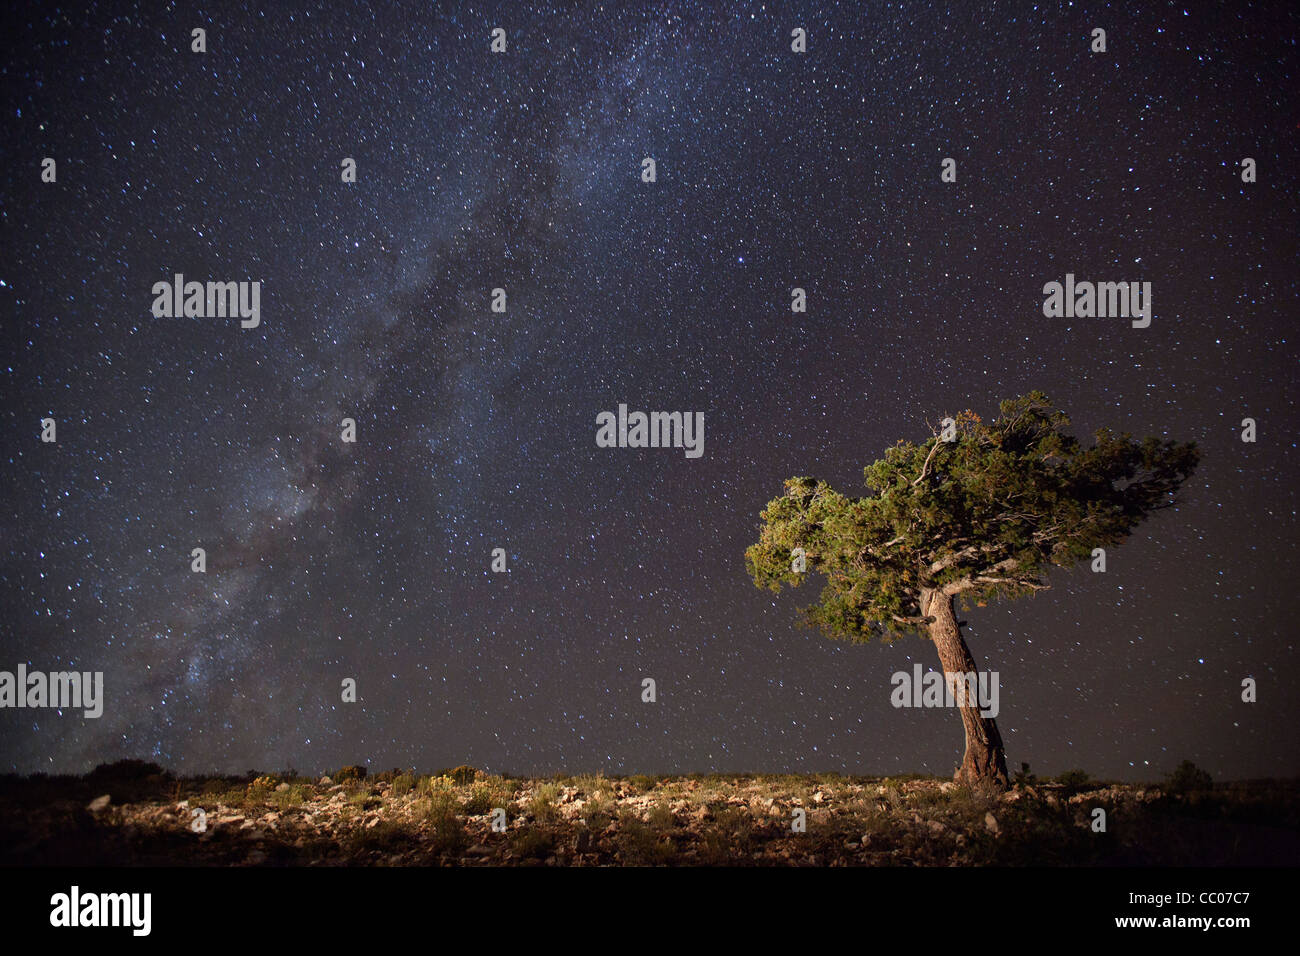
(985, 759)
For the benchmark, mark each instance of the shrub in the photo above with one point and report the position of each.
(352, 772)
(440, 803)
(1188, 777)
(128, 770)
(433, 784)
(644, 845)
(1024, 778)
(532, 843)
(484, 796)
(661, 817)
(1074, 779)
(463, 775)
(542, 805)
(293, 797)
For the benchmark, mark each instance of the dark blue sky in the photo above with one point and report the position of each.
(476, 430)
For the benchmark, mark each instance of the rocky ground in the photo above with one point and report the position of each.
(134, 814)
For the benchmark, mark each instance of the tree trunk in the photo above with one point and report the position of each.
(985, 759)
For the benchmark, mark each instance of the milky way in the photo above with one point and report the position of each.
(475, 429)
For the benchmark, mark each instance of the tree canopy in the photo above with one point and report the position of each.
(984, 515)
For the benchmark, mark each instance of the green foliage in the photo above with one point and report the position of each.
(542, 805)
(599, 810)
(440, 802)
(532, 843)
(487, 794)
(433, 784)
(295, 796)
(984, 516)
(661, 817)
(1188, 777)
(463, 776)
(1074, 779)
(1024, 778)
(644, 844)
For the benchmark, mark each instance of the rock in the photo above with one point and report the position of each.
(256, 858)
(326, 782)
(479, 851)
(99, 804)
(991, 824)
(282, 788)
(818, 797)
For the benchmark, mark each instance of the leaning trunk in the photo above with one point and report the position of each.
(984, 759)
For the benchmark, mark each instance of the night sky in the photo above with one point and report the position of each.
(476, 430)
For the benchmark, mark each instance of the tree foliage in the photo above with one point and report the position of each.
(984, 516)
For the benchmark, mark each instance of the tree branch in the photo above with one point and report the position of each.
(925, 467)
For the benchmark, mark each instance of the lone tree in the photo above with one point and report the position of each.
(977, 511)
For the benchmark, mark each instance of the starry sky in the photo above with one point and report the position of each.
(475, 430)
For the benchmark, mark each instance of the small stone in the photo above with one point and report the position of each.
(99, 804)
(282, 788)
(326, 781)
(991, 824)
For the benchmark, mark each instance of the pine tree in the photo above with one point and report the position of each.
(981, 516)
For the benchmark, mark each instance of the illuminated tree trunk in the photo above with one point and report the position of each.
(985, 759)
